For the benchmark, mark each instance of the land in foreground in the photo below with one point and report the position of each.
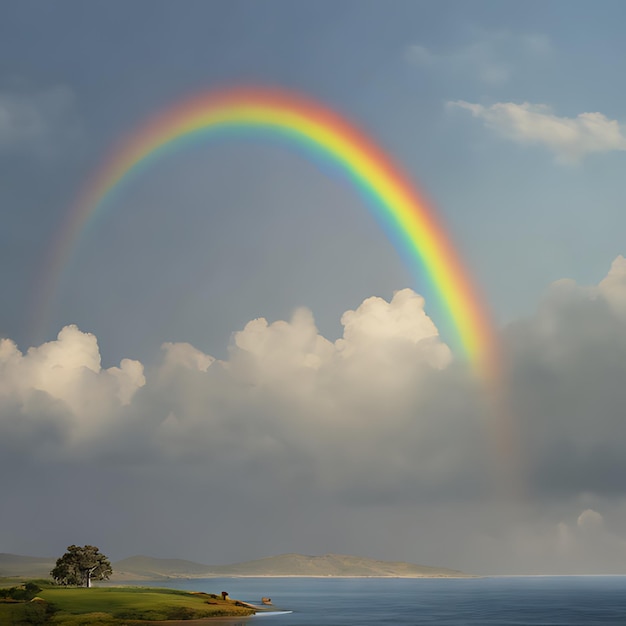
(41, 603)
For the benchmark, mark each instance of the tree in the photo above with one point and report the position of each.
(80, 565)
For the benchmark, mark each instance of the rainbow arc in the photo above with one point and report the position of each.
(407, 218)
(329, 139)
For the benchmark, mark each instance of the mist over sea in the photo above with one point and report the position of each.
(526, 600)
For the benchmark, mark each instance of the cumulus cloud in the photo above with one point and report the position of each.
(613, 287)
(185, 355)
(381, 429)
(290, 425)
(37, 120)
(590, 520)
(377, 323)
(66, 375)
(491, 57)
(285, 392)
(568, 386)
(570, 139)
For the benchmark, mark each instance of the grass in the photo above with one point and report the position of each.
(115, 606)
(23, 613)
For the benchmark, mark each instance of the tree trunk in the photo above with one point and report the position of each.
(89, 573)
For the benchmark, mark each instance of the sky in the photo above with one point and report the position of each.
(235, 362)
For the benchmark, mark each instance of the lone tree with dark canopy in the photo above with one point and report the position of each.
(80, 565)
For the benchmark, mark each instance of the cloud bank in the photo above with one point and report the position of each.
(570, 139)
(285, 390)
(368, 444)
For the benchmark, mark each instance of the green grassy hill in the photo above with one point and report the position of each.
(114, 606)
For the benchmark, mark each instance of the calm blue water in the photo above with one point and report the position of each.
(545, 601)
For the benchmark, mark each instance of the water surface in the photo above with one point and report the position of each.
(507, 601)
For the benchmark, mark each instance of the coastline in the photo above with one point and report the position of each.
(231, 621)
(118, 581)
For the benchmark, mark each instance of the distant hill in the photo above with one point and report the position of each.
(25, 566)
(149, 568)
(146, 568)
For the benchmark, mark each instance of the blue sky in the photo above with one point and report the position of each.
(508, 115)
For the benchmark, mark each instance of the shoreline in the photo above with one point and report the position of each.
(231, 621)
(323, 576)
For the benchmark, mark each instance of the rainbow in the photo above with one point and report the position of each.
(405, 215)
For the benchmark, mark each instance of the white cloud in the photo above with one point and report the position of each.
(185, 355)
(285, 390)
(378, 324)
(590, 519)
(38, 120)
(377, 320)
(378, 429)
(570, 139)
(613, 287)
(68, 372)
(339, 407)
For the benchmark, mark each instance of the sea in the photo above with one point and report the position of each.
(504, 601)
